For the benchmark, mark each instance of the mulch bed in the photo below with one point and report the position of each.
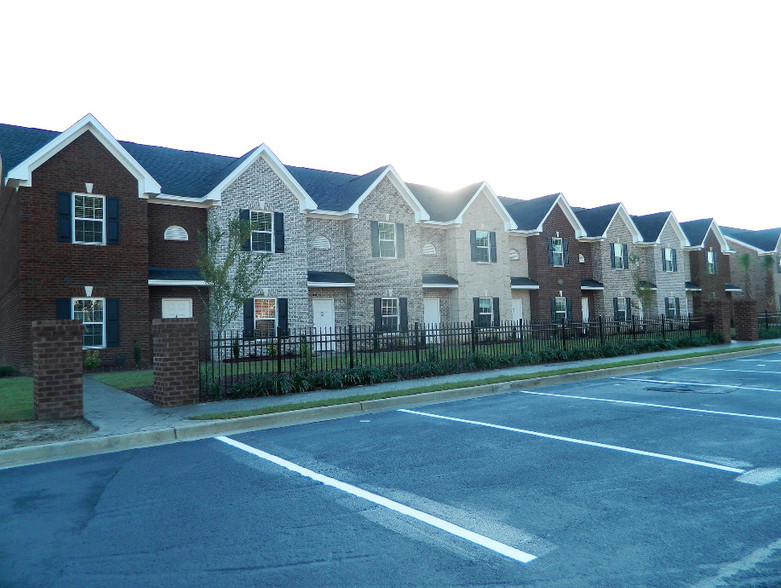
(142, 392)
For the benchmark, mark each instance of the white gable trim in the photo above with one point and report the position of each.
(580, 232)
(637, 237)
(484, 188)
(305, 202)
(22, 174)
(677, 228)
(401, 188)
(757, 250)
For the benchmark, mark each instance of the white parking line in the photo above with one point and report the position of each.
(753, 388)
(768, 372)
(762, 360)
(650, 405)
(421, 516)
(704, 464)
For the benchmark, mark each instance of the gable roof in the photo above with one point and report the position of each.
(652, 225)
(597, 221)
(696, 232)
(442, 205)
(764, 241)
(334, 191)
(530, 215)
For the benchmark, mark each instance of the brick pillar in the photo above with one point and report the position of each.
(175, 344)
(746, 327)
(716, 313)
(58, 365)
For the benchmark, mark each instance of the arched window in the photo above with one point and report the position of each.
(176, 233)
(321, 242)
(429, 249)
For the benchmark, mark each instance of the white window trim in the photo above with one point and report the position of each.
(380, 239)
(255, 318)
(479, 249)
(397, 316)
(270, 232)
(669, 311)
(188, 300)
(560, 242)
(668, 259)
(489, 314)
(563, 312)
(710, 262)
(74, 219)
(618, 256)
(103, 324)
(176, 233)
(623, 307)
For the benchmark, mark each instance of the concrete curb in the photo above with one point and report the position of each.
(201, 430)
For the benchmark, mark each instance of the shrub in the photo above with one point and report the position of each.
(769, 332)
(136, 352)
(6, 371)
(91, 359)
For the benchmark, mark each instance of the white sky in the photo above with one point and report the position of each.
(660, 105)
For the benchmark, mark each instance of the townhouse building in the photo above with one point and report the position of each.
(762, 279)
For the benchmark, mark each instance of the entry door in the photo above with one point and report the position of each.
(324, 321)
(431, 319)
(177, 308)
(517, 309)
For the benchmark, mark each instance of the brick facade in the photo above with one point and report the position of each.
(746, 324)
(717, 317)
(712, 284)
(58, 362)
(619, 282)
(175, 362)
(174, 254)
(669, 284)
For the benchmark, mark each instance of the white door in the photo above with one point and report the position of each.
(517, 309)
(177, 308)
(584, 309)
(324, 321)
(431, 319)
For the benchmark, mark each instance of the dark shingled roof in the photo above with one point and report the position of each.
(441, 205)
(329, 278)
(696, 230)
(596, 220)
(334, 190)
(651, 225)
(591, 285)
(692, 287)
(528, 214)
(764, 240)
(168, 273)
(18, 143)
(438, 279)
(524, 283)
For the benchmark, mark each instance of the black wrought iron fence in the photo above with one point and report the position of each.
(769, 319)
(229, 358)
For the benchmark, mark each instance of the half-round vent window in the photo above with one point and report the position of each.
(321, 242)
(429, 249)
(514, 255)
(176, 233)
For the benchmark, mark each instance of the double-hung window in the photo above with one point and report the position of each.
(669, 262)
(710, 262)
(482, 246)
(622, 309)
(618, 256)
(559, 309)
(390, 315)
(387, 239)
(265, 317)
(262, 230)
(485, 311)
(672, 308)
(557, 252)
(88, 219)
(91, 313)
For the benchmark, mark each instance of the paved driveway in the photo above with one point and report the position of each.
(667, 478)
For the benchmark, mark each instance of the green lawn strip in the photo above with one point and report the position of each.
(16, 399)
(125, 380)
(454, 385)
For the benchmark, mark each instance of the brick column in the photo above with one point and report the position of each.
(58, 365)
(716, 314)
(746, 327)
(175, 344)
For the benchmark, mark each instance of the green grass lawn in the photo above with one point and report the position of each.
(16, 399)
(125, 380)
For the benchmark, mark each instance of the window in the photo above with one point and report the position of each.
(669, 260)
(90, 311)
(262, 230)
(559, 309)
(176, 233)
(265, 317)
(482, 247)
(387, 239)
(88, 219)
(618, 256)
(556, 251)
(177, 308)
(622, 309)
(390, 314)
(672, 308)
(429, 249)
(485, 312)
(710, 262)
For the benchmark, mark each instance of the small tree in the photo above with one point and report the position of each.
(232, 272)
(642, 288)
(744, 262)
(768, 265)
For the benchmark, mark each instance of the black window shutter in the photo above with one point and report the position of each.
(569, 309)
(64, 219)
(112, 221)
(400, 240)
(476, 310)
(677, 308)
(626, 257)
(378, 314)
(565, 247)
(664, 262)
(282, 328)
(553, 309)
(675, 260)
(473, 244)
(403, 320)
(496, 312)
(375, 230)
(244, 216)
(279, 232)
(715, 262)
(112, 322)
(628, 308)
(64, 307)
(492, 240)
(613, 255)
(550, 250)
(615, 309)
(249, 318)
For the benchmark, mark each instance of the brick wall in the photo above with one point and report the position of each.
(717, 317)
(174, 254)
(326, 260)
(158, 293)
(57, 369)
(11, 311)
(754, 285)
(175, 362)
(438, 237)
(618, 282)
(746, 327)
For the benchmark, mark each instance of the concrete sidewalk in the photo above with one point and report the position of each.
(124, 421)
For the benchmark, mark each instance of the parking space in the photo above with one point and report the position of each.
(666, 478)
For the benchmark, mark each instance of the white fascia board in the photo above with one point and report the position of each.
(330, 214)
(486, 189)
(177, 283)
(330, 285)
(526, 233)
(743, 244)
(420, 213)
(580, 232)
(441, 286)
(171, 200)
(305, 202)
(677, 228)
(725, 248)
(22, 174)
(525, 287)
(637, 237)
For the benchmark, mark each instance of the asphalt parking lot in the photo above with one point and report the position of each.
(666, 478)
